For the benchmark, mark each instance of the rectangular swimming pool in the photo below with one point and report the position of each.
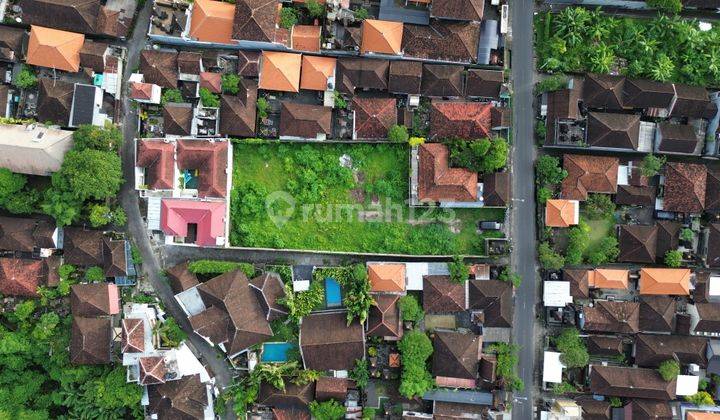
(275, 352)
(333, 294)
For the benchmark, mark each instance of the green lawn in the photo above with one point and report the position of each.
(330, 201)
(599, 229)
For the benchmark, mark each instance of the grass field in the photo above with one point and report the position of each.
(328, 206)
(599, 229)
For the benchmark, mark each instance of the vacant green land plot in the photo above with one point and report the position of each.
(341, 197)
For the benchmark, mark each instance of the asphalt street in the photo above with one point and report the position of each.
(523, 211)
(136, 227)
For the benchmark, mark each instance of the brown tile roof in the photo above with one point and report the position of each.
(69, 15)
(211, 159)
(697, 415)
(443, 80)
(11, 43)
(317, 72)
(158, 159)
(21, 277)
(386, 277)
(327, 388)
(52, 264)
(54, 101)
(109, 22)
(638, 243)
(488, 364)
(709, 318)
(613, 316)
(152, 370)
(328, 343)
(381, 36)
(713, 255)
(305, 120)
(603, 91)
(650, 409)
(630, 383)
(238, 112)
(484, 83)
(458, 9)
(405, 76)
(562, 104)
(90, 341)
(255, 20)
(233, 317)
(463, 119)
(496, 189)
(141, 90)
(294, 396)
(594, 409)
(23, 234)
(185, 398)
(657, 313)
(712, 190)
(599, 345)
(456, 355)
(665, 281)
(677, 138)
(588, 174)
(437, 181)
(445, 41)
(442, 295)
(189, 62)
(363, 73)
(92, 55)
(178, 119)
(668, 237)
(211, 81)
(640, 93)
(94, 299)
(269, 289)
(248, 63)
(495, 299)
(384, 317)
(82, 246)
(578, 279)
(691, 102)
(617, 131)
(212, 21)
(159, 67)
(629, 195)
(133, 335)
(374, 117)
(180, 278)
(685, 187)
(292, 413)
(114, 259)
(651, 350)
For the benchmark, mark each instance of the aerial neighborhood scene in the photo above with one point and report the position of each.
(335, 209)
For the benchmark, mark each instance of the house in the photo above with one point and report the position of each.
(11, 43)
(657, 313)
(442, 80)
(442, 41)
(552, 368)
(578, 278)
(305, 38)
(442, 295)
(665, 281)
(206, 161)
(496, 189)
(712, 191)
(179, 119)
(456, 358)
(93, 55)
(641, 93)
(33, 149)
(594, 409)
(629, 382)
(381, 37)
(88, 17)
(255, 20)
(605, 346)
(603, 91)
(248, 64)
(187, 397)
(270, 289)
(589, 174)
(690, 102)
(606, 278)
(651, 350)
(632, 195)
(180, 278)
(22, 277)
(712, 247)
(327, 388)
(461, 119)
(294, 396)
(305, 121)
(280, 71)
(644, 409)
(562, 213)
(384, 317)
(361, 73)
(54, 49)
(90, 341)
(211, 81)
(54, 100)
(612, 316)
(94, 299)
(234, 317)
(458, 10)
(87, 106)
(157, 159)
(613, 131)
(160, 67)
(82, 247)
(373, 117)
(677, 138)
(238, 112)
(193, 222)
(318, 73)
(405, 77)
(328, 343)
(704, 318)
(147, 93)
(647, 244)
(685, 185)
(438, 182)
(212, 21)
(480, 83)
(491, 301)
(387, 277)
(38, 236)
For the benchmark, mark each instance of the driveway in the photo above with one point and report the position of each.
(523, 212)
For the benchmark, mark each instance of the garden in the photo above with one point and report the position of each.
(342, 197)
(667, 49)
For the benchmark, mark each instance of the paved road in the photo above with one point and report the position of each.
(136, 228)
(523, 212)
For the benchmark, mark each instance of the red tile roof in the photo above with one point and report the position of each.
(374, 117)
(468, 120)
(211, 81)
(21, 277)
(141, 90)
(685, 187)
(210, 159)
(588, 174)
(437, 181)
(157, 157)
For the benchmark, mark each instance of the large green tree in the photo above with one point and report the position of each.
(97, 138)
(89, 174)
(415, 348)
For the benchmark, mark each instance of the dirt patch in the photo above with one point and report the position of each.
(358, 195)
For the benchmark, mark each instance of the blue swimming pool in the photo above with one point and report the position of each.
(333, 295)
(275, 352)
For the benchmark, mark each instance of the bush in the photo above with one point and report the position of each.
(615, 402)
(508, 276)
(652, 164)
(415, 348)
(599, 206)
(543, 195)
(578, 241)
(361, 13)
(171, 335)
(96, 138)
(94, 274)
(459, 271)
(563, 388)
(231, 83)
(673, 258)
(701, 398)
(171, 96)
(548, 170)
(340, 102)
(416, 141)
(302, 303)
(215, 267)
(549, 259)
(507, 359)
(398, 134)
(482, 155)
(574, 352)
(262, 108)
(552, 83)
(411, 309)
(669, 370)
(25, 78)
(99, 215)
(288, 17)
(368, 413)
(360, 373)
(669, 6)
(315, 8)
(540, 131)
(327, 410)
(606, 251)
(687, 235)
(209, 99)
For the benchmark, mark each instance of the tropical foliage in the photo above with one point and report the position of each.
(507, 359)
(669, 369)
(415, 348)
(327, 410)
(574, 352)
(300, 304)
(410, 309)
(481, 155)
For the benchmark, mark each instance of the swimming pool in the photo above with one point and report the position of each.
(275, 352)
(333, 295)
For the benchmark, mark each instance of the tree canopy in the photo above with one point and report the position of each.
(574, 352)
(415, 348)
(481, 155)
(669, 369)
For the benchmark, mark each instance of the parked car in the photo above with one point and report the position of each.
(491, 226)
